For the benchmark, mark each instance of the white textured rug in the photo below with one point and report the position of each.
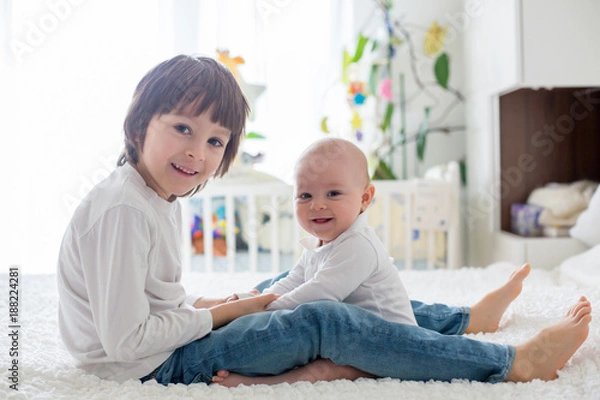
(46, 370)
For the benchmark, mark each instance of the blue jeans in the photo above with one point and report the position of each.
(270, 343)
(436, 317)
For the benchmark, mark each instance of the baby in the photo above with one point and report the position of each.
(343, 260)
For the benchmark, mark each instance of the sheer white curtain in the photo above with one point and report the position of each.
(294, 49)
(69, 67)
(72, 67)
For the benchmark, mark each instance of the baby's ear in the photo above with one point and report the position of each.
(367, 197)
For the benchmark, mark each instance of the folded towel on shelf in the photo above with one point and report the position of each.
(562, 202)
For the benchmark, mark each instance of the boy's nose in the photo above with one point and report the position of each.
(196, 152)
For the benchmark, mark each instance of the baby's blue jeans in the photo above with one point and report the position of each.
(270, 343)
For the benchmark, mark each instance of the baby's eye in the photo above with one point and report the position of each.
(304, 196)
(183, 129)
(333, 193)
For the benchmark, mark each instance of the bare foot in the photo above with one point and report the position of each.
(547, 352)
(486, 314)
(319, 370)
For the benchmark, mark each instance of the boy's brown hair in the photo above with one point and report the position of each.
(199, 82)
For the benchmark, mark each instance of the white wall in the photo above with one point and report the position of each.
(76, 66)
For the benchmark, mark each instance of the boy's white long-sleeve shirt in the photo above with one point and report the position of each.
(353, 268)
(122, 308)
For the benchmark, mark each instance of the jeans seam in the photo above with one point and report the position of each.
(466, 313)
(502, 375)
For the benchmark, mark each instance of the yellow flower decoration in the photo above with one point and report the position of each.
(230, 62)
(434, 40)
(356, 121)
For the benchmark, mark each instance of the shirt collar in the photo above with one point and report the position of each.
(152, 197)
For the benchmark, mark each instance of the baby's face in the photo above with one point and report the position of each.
(180, 152)
(329, 194)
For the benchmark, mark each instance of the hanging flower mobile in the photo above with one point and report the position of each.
(371, 95)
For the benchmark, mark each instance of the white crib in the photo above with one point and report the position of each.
(417, 220)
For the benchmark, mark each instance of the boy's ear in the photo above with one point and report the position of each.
(367, 197)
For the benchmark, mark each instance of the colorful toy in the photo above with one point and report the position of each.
(219, 232)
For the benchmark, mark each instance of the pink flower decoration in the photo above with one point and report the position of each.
(385, 89)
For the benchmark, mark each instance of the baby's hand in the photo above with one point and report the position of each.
(257, 303)
(243, 295)
(224, 313)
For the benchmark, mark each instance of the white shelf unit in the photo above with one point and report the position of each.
(509, 45)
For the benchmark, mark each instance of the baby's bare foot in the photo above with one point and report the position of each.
(547, 352)
(487, 313)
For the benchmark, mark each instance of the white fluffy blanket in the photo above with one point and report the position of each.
(47, 372)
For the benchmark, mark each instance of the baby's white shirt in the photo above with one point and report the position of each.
(354, 268)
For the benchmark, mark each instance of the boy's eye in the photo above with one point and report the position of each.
(216, 142)
(304, 196)
(183, 129)
(333, 193)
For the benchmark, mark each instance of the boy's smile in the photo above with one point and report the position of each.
(184, 170)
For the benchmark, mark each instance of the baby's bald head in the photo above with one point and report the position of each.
(330, 154)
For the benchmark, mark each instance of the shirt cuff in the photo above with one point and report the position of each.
(205, 323)
(191, 299)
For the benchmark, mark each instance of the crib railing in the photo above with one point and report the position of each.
(429, 206)
(276, 192)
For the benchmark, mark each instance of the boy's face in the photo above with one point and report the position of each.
(328, 201)
(180, 152)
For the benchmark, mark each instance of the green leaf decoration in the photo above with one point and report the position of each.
(383, 172)
(389, 111)
(374, 45)
(422, 135)
(402, 137)
(347, 60)
(254, 135)
(360, 47)
(442, 70)
(463, 171)
(373, 78)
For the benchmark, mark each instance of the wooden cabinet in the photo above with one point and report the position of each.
(526, 61)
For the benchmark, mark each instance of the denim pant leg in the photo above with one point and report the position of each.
(436, 317)
(441, 318)
(271, 343)
(270, 282)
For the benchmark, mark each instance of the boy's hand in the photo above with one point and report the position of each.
(224, 313)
